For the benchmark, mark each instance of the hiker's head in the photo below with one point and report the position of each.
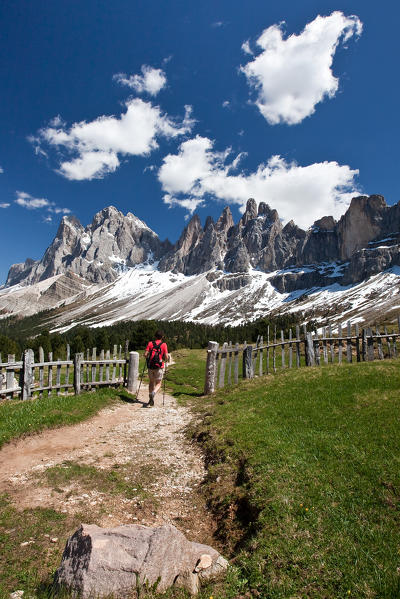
(159, 335)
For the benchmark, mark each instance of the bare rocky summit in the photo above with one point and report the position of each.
(363, 243)
(113, 243)
(260, 241)
(98, 253)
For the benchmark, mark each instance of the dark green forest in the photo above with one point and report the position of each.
(17, 334)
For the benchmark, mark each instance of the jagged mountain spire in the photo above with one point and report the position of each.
(113, 243)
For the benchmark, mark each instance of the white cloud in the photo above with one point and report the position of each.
(90, 165)
(246, 48)
(291, 76)
(95, 146)
(226, 104)
(4, 205)
(27, 201)
(189, 204)
(301, 193)
(151, 81)
(1, 170)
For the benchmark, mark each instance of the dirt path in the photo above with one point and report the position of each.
(127, 464)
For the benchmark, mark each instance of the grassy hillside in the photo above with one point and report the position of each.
(304, 478)
(18, 418)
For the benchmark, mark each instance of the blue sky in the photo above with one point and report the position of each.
(167, 107)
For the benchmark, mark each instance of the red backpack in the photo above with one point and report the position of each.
(154, 359)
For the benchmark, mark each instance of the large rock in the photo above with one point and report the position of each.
(98, 562)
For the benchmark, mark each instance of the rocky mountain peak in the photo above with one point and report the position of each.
(110, 213)
(367, 236)
(270, 214)
(361, 223)
(225, 221)
(209, 223)
(326, 223)
(251, 211)
(69, 230)
(191, 233)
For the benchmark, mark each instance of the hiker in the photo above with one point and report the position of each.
(156, 355)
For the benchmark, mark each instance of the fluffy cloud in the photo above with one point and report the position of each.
(301, 193)
(1, 170)
(27, 201)
(94, 147)
(151, 81)
(4, 205)
(291, 76)
(246, 48)
(90, 165)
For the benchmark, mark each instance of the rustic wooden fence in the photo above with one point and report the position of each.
(26, 378)
(302, 347)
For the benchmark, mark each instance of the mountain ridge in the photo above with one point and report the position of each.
(116, 267)
(114, 242)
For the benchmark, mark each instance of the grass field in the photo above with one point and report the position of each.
(18, 418)
(304, 478)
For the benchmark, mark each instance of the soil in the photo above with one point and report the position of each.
(161, 468)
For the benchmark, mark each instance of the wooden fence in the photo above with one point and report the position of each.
(302, 347)
(27, 378)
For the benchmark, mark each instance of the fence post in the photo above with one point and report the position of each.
(310, 349)
(211, 368)
(133, 372)
(223, 365)
(78, 358)
(10, 373)
(370, 345)
(27, 374)
(248, 372)
(126, 361)
(236, 365)
(364, 345)
(349, 343)
(358, 343)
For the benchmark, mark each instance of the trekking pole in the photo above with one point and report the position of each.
(165, 374)
(140, 383)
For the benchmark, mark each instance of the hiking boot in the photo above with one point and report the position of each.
(151, 399)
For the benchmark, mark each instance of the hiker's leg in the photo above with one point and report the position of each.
(157, 380)
(157, 387)
(152, 381)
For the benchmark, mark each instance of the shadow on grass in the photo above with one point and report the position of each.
(46, 589)
(186, 393)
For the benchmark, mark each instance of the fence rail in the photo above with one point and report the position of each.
(26, 379)
(302, 348)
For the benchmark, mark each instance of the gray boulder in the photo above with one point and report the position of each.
(98, 562)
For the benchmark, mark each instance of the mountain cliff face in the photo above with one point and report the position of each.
(364, 242)
(98, 253)
(259, 241)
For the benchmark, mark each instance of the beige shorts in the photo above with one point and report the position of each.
(155, 374)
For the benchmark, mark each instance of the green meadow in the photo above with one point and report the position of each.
(303, 478)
